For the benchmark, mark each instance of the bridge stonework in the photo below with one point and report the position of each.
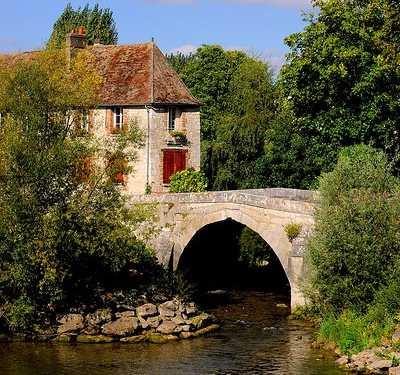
(265, 211)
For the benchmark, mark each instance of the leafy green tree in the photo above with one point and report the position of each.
(179, 60)
(188, 181)
(65, 230)
(342, 81)
(241, 129)
(99, 23)
(236, 93)
(356, 244)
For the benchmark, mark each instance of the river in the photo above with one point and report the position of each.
(256, 338)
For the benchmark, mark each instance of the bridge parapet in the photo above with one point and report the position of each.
(289, 200)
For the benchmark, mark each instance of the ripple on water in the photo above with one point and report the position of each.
(256, 339)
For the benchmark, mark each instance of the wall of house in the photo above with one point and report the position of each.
(187, 121)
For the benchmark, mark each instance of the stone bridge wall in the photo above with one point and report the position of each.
(265, 211)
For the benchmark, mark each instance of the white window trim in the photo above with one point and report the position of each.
(170, 111)
(121, 115)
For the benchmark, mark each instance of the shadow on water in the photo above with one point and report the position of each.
(256, 337)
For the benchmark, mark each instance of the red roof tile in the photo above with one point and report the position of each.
(132, 75)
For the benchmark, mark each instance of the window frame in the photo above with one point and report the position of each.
(120, 116)
(171, 126)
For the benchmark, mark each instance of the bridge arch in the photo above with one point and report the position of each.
(274, 236)
(264, 211)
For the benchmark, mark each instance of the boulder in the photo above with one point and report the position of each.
(133, 339)
(87, 339)
(146, 310)
(201, 320)
(186, 335)
(208, 329)
(92, 330)
(381, 364)
(342, 361)
(121, 327)
(100, 316)
(167, 327)
(178, 320)
(153, 321)
(65, 339)
(186, 328)
(70, 323)
(126, 314)
(168, 309)
(191, 309)
(143, 323)
(157, 338)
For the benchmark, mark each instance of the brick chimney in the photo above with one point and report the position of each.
(76, 41)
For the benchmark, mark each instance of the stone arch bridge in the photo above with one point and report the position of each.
(265, 211)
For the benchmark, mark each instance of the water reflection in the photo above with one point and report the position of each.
(256, 339)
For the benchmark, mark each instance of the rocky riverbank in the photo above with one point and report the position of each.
(384, 359)
(155, 323)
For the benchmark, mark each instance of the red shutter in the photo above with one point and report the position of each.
(173, 161)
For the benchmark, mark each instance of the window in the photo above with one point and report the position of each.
(85, 120)
(118, 117)
(173, 161)
(171, 118)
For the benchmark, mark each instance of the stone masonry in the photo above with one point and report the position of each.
(265, 211)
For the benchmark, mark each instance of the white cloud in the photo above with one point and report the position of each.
(186, 49)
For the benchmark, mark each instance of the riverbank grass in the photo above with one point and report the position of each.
(353, 333)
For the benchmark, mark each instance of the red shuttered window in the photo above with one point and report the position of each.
(173, 161)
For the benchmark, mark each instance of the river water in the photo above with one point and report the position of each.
(256, 338)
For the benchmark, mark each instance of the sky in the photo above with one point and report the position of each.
(256, 26)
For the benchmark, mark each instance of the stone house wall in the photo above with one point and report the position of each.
(187, 121)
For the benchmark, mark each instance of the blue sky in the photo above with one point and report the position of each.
(258, 26)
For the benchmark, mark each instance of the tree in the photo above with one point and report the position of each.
(236, 93)
(342, 80)
(241, 128)
(355, 245)
(99, 23)
(65, 229)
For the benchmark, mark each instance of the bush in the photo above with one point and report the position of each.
(188, 181)
(355, 242)
(292, 231)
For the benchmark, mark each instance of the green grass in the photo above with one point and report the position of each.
(352, 332)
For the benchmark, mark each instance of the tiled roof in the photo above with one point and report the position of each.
(136, 74)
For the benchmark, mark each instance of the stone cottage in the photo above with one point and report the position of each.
(140, 85)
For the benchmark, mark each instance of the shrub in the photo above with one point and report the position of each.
(355, 242)
(292, 231)
(188, 181)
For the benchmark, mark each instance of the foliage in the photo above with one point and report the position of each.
(341, 81)
(253, 249)
(188, 181)
(179, 136)
(179, 60)
(62, 236)
(99, 23)
(292, 231)
(355, 242)
(236, 93)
